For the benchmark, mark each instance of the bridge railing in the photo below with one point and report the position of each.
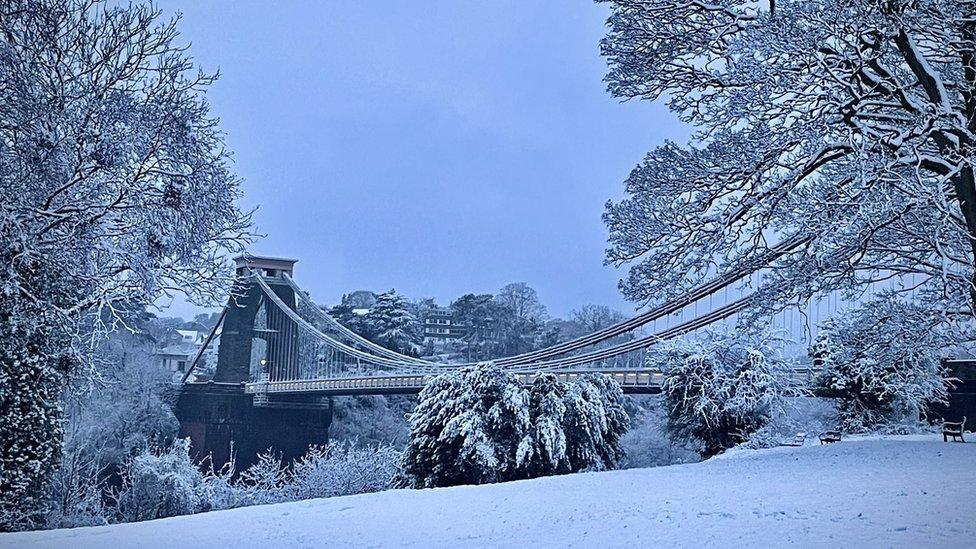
(632, 381)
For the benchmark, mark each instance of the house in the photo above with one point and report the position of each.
(178, 357)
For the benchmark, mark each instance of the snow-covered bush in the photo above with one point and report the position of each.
(547, 403)
(470, 427)
(167, 483)
(479, 425)
(594, 423)
(73, 496)
(261, 482)
(339, 470)
(720, 387)
(882, 362)
(575, 426)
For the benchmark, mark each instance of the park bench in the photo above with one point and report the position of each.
(829, 437)
(798, 440)
(953, 429)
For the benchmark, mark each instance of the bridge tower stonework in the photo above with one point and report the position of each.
(220, 419)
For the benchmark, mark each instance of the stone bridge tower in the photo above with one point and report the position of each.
(238, 355)
(218, 415)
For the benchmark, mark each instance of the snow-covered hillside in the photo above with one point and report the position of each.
(903, 491)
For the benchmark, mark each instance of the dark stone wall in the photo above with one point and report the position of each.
(215, 415)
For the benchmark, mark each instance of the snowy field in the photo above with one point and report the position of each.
(897, 492)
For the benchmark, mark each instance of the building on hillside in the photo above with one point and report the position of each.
(191, 336)
(178, 357)
(440, 327)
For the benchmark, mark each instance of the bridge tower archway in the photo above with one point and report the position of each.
(237, 354)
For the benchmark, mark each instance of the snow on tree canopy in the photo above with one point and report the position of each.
(883, 362)
(844, 126)
(479, 425)
(720, 387)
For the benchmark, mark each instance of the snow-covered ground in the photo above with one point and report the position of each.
(896, 492)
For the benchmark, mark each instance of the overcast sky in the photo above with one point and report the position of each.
(437, 148)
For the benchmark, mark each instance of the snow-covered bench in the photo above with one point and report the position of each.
(954, 429)
(829, 437)
(798, 440)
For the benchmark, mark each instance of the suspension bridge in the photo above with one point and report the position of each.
(275, 341)
(281, 357)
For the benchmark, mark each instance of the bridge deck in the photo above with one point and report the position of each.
(631, 381)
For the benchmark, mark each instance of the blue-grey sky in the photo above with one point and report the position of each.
(437, 148)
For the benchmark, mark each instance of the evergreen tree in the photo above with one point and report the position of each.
(481, 317)
(547, 405)
(595, 421)
(479, 425)
(346, 315)
(392, 325)
(576, 426)
(469, 427)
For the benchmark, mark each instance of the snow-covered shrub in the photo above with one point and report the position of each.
(470, 427)
(73, 496)
(338, 470)
(167, 483)
(594, 423)
(262, 482)
(547, 404)
(882, 362)
(575, 426)
(720, 387)
(479, 425)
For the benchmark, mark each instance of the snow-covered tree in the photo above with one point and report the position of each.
(350, 318)
(720, 387)
(482, 318)
(883, 362)
(520, 319)
(479, 425)
(392, 325)
(548, 416)
(341, 469)
(842, 126)
(595, 422)
(470, 427)
(115, 190)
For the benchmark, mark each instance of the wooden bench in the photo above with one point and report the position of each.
(829, 437)
(954, 429)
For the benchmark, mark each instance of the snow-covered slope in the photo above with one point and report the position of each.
(905, 491)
